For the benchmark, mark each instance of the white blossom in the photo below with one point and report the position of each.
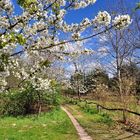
(40, 83)
(61, 14)
(76, 36)
(103, 18)
(83, 3)
(122, 21)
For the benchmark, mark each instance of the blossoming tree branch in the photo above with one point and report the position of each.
(32, 40)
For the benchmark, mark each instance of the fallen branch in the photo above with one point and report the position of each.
(112, 109)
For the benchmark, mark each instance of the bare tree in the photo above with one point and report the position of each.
(121, 47)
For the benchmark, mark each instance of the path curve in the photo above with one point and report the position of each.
(81, 132)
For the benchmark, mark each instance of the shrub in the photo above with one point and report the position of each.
(28, 101)
(17, 103)
(71, 101)
(105, 118)
(89, 109)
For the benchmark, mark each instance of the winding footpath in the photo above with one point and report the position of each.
(81, 132)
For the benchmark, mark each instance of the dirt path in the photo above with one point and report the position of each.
(81, 132)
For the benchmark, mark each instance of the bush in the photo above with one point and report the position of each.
(90, 109)
(105, 118)
(71, 101)
(69, 91)
(28, 101)
(17, 103)
(53, 97)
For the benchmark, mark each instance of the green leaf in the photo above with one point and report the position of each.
(26, 3)
(21, 39)
(29, 5)
(45, 63)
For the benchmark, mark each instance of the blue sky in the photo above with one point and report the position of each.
(90, 11)
(75, 16)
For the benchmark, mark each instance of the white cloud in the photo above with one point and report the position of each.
(103, 51)
(103, 38)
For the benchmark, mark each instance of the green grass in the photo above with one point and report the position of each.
(115, 115)
(99, 125)
(54, 125)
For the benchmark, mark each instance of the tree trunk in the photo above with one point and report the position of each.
(118, 61)
(39, 104)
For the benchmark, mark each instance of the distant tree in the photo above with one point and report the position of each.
(78, 84)
(133, 71)
(97, 76)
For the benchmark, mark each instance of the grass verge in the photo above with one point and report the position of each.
(54, 125)
(99, 125)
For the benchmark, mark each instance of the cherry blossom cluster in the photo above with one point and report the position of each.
(6, 6)
(41, 83)
(103, 18)
(83, 3)
(122, 21)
